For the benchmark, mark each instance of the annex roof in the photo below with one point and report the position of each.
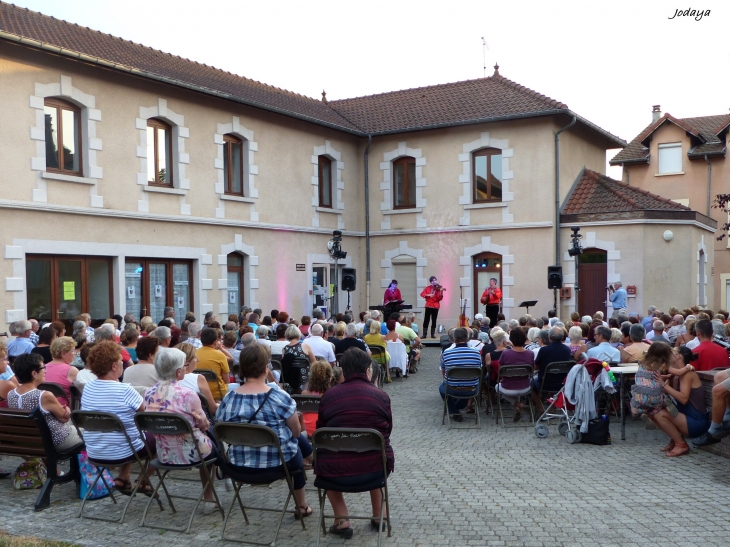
(705, 133)
(472, 101)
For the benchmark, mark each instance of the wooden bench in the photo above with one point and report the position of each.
(26, 434)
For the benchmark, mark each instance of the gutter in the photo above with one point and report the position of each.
(709, 185)
(367, 224)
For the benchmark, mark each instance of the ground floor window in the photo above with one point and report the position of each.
(152, 285)
(62, 287)
(235, 283)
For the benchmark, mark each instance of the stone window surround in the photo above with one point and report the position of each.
(250, 282)
(421, 263)
(338, 206)
(21, 247)
(180, 184)
(386, 166)
(612, 258)
(250, 169)
(467, 261)
(701, 252)
(465, 179)
(90, 144)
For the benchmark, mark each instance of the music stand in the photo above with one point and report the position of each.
(527, 304)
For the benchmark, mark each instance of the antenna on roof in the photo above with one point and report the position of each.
(485, 47)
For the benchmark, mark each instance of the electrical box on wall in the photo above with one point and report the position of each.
(631, 291)
(566, 292)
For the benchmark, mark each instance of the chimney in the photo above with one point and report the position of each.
(656, 113)
(324, 96)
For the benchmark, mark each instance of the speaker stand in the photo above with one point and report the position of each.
(348, 303)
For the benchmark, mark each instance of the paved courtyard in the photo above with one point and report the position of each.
(469, 487)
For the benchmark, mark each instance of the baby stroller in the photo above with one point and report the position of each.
(560, 407)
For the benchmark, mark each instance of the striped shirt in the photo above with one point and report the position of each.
(119, 399)
(461, 355)
(238, 408)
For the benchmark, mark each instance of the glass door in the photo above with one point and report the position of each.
(134, 296)
(158, 291)
(152, 285)
(39, 289)
(99, 288)
(235, 283)
(68, 283)
(320, 287)
(181, 291)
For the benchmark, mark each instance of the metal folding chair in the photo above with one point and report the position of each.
(307, 403)
(378, 355)
(302, 364)
(462, 374)
(106, 422)
(171, 423)
(209, 375)
(514, 371)
(254, 436)
(75, 397)
(335, 439)
(56, 389)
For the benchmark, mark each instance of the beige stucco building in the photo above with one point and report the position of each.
(134, 179)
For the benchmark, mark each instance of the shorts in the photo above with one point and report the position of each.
(726, 383)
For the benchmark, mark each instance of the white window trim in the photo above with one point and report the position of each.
(467, 261)
(702, 281)
(250, 169)
(338, 205)
(386, 166)
(665, 146)
(90, 144)
(465, 179)
(179, 158)
(421, 263)
(250, 282)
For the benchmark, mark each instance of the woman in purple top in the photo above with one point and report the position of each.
(511, 388)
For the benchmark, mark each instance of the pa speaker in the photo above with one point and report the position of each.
(349, 279)
(555, 277)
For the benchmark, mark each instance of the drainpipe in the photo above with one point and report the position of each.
(628, 177)
(367, 225)
(557, 203)
(709, 185)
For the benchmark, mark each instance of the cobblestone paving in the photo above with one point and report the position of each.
(461, 487)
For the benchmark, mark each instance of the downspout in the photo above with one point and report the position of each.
(628, 177)
(367, 225)
(709, 185)
(557, 202)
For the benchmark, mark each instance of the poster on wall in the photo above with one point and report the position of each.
(232, 297)
(181, 302)
(158, 291)
(130, 292)
(69, 290)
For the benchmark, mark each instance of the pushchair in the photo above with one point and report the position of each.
(560, 407)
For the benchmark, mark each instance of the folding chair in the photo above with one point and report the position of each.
(56, 389)
(514, 371)
(463, 374)
(209, 375)
(253, 436)
(445, 342)
(307, 403)
(75, 397)
(378, 355)
(335, 439)
(398, 358)
(302, 364)
(171, 423)
(106, 422)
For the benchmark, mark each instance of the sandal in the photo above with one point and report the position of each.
(145, 488)
(305, 510)
(122, 485)
(375, 525)
(345, 533)
(678, 450)
(668, 448)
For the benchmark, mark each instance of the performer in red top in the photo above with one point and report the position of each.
(392, 293)
(491, 297)
(433, 294)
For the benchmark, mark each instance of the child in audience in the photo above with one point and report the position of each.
(647, 395)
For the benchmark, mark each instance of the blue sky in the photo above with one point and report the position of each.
(609, 61)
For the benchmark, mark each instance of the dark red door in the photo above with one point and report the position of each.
(592, 281)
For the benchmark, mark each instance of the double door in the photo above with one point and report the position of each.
(153, 285)
(63, 287)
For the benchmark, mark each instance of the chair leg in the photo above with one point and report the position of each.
(322, 494)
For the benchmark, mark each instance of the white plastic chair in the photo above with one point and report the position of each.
(398, 356)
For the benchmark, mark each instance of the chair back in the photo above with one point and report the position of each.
(209, 375)
(336, 439)
(515, 371)
(378, 353)
(53, 387)
(75, 397)
(559, 368)
(276, 362)
(444, 342)
(99, 422)
(163, 423)
(463, 373)
(307, 403)
(239, 434)
(302, 363)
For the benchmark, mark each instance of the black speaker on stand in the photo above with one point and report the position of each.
(349, 282)
(555, 277)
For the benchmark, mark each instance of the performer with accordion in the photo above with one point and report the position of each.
(433, 294)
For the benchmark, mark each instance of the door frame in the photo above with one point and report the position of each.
(477, 290)
(169, 281)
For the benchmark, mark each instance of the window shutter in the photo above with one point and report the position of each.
(670, 158)
(404, 270)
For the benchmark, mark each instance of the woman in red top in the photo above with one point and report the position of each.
(59, 370)
(433, 295)
(392, 293)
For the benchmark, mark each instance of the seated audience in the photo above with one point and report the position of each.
(553, 352)
(129, 339)
(59, 370)
(211, 358)
(196, 382)
(510, 388)
(357, 403)
(603, 350)
(45, 339)
(637, 348)
(257, 403)
(30, 373)
(709, 354)
(320, 380)
(143, 374)
(319, 346)
(460, 355)
(577, 347)
(277, 346)
(350, 340)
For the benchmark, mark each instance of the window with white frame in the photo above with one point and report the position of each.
(404, 271)
(670, 158)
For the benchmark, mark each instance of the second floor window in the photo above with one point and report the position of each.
(487, 175)
(404, 183)
(325, 181)
(63, 136)
(233, 165)
(670, 158)
(159, 153)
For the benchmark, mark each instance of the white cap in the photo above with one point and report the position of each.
(478, 317)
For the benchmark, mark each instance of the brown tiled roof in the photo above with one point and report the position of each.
(596, 193)
(704, 129)
(443, 104)
(471, 101)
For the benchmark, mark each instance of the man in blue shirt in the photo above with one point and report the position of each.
(649, 319)
(22, 343)
(603, 350)
(618, 298)
(461, 355)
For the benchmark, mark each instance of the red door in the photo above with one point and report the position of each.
(592, 281)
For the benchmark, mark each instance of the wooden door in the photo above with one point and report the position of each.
(592, 281)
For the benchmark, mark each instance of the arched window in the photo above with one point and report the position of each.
(487, 175)
(63, 136)
(233, 165)
(159, 153)
(325, 182)
(404, 183)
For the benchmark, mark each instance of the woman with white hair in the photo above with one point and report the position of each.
(169, 395)
(533, 336)
(576, 345)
